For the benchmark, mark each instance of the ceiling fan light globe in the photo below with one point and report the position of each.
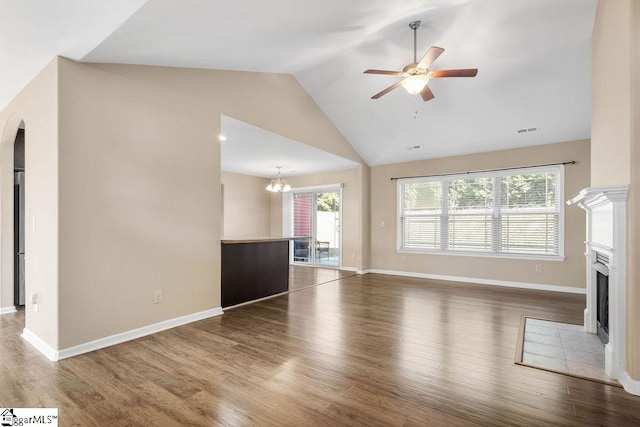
(415, 84)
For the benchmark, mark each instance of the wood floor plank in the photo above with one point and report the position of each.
(341, 349)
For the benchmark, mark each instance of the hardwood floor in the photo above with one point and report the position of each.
(364, 349)
(302, 276)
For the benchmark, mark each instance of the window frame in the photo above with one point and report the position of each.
(446, 178)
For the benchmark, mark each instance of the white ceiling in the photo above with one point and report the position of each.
(251, 150)
(33, 32)
(533, 56)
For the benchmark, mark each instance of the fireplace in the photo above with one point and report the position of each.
(605, 314)
(602, 297)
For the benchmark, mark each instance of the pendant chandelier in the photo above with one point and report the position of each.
(278, 184)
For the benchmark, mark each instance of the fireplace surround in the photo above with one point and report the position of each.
(606, 252)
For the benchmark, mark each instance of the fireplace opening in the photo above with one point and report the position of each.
(602, 292)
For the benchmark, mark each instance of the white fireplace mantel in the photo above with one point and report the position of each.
(593, 197)
(606, 234)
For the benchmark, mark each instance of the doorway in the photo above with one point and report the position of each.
(317, 215)
(19, 220)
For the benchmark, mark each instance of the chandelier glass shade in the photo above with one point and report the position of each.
(278, 184)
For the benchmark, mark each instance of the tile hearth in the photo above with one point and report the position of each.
(564, 348)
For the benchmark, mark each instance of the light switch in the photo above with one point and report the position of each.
(35, 300)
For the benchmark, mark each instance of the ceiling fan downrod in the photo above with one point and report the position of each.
(414, 26)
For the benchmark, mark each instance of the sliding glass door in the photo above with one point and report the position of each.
(316, 215)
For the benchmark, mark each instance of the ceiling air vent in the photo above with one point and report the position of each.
(528, 130)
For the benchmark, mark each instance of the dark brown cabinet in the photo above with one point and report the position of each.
(253, 270)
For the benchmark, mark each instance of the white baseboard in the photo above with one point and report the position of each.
(40, 345)
(354, 269)
(522, 285)
(7, 310)
(630, 385)
(133, 334)
(136, 333)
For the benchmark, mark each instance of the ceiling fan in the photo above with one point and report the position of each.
(417, 74)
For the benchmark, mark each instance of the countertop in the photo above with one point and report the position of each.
(232, 240)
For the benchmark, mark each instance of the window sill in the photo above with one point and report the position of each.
(483, 255)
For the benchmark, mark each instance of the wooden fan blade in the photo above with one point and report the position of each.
(387, 90)
(427, 94)
(470, 72)
(390, 73)
(432, 54)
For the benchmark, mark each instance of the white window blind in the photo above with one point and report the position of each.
(507, 213)
(529, 214)
(470, 214)
(422, 211)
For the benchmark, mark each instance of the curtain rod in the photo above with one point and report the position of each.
(572, 162)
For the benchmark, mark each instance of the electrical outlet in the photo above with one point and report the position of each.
(157, 296)
(381, 223)
(353, 255)
(404, 259)
(538, 268)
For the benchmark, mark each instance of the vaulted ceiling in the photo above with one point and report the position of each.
(533, 56)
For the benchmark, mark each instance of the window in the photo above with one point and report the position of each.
(517, 213)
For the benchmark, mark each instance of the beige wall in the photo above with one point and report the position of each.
(140, 185)
(633, 328)
(139, 200)
(570, 272)
(246, 206)
(37, 105)
(611, 94)
(364, 206)
(615, 133)
(276, 214)
(351, 213)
